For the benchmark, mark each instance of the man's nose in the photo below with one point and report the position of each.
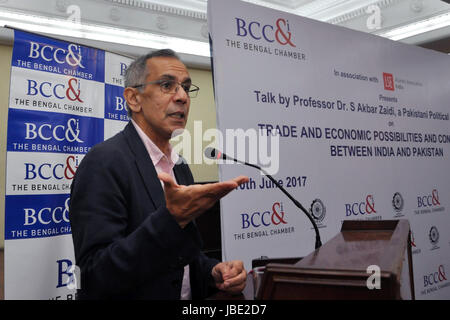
(180, 96)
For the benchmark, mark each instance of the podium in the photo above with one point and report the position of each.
(364, 255)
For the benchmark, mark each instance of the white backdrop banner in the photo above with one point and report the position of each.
(64, 98)
(363, 133)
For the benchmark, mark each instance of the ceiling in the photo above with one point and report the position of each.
(184, 21)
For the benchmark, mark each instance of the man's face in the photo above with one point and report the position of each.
(163, 113)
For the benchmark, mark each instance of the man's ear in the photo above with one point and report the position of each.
(130, 95)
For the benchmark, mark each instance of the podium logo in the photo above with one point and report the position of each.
(279, 32)
(275, 216)
(388, 80)
(71, 56)
(361, 208)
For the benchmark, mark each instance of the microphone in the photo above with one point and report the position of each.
(212, 153)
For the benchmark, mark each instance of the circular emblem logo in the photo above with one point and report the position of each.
(318, 210)
(397, 202)
(434, 235)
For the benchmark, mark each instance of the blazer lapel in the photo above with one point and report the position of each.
(180, 174)
(145, 166)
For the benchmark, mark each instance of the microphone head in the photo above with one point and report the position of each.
(211, 153)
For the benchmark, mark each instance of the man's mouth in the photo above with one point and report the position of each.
(177, 115)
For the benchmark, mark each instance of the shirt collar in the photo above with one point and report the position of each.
(154, 152)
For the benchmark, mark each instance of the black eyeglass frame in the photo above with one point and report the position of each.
(192, 91)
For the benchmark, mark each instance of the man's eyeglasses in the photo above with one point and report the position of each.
(170, 86)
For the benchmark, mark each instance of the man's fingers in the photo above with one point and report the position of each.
(240, 180)
(231, 276)
(230, 270)
(187, 202)
(226, 185)
(167, 179)
(218, 189)
(237, 281)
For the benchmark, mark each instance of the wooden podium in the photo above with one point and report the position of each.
(339, 269)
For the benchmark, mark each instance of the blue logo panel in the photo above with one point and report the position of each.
(50, 55)
(36, 216)
(38, 131)
(115, 104)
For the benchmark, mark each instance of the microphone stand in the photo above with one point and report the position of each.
(318, 243)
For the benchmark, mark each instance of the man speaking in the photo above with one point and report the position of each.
(133, 202)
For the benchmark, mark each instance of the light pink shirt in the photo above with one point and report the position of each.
(164, 164)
